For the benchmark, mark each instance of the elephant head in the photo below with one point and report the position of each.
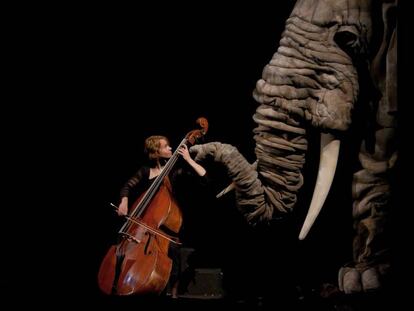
(336, 63)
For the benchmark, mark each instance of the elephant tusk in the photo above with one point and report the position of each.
(327, 166)
(229, 188)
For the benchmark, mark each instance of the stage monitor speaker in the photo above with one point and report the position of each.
(205, 283)
(196, 282)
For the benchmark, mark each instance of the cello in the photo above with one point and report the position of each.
(139, 262)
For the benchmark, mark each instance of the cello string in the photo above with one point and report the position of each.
(139, 209)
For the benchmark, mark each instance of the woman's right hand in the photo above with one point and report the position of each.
(123, 207)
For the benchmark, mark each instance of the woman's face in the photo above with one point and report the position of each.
(165, 150)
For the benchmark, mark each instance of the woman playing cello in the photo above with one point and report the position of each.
(144, 241)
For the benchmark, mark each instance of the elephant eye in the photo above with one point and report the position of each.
(347, 38)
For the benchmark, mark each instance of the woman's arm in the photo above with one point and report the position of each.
(186, 155)
(140, 176)
(123, 207)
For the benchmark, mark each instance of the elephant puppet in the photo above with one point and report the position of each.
(335, 67)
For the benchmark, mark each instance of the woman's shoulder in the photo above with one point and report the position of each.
(143, 171)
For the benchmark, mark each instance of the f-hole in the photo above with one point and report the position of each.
(147, 244)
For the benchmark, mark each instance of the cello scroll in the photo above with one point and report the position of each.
(193, 135)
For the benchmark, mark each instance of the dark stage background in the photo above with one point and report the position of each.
(118, 75)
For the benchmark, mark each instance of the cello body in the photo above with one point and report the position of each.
(139, 264)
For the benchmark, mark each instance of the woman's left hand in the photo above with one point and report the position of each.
(183, 150)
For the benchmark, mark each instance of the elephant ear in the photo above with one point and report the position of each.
(384, 65)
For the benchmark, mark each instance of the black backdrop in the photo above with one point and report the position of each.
(117, 75)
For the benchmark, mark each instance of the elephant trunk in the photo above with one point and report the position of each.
(280, 150)
(249, 189)
(257, 201)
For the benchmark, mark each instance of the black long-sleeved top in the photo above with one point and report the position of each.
(140, 181)
(181, 178)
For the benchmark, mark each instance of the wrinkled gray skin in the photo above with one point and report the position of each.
(314, 80)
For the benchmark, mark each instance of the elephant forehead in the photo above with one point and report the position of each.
(326, 12)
